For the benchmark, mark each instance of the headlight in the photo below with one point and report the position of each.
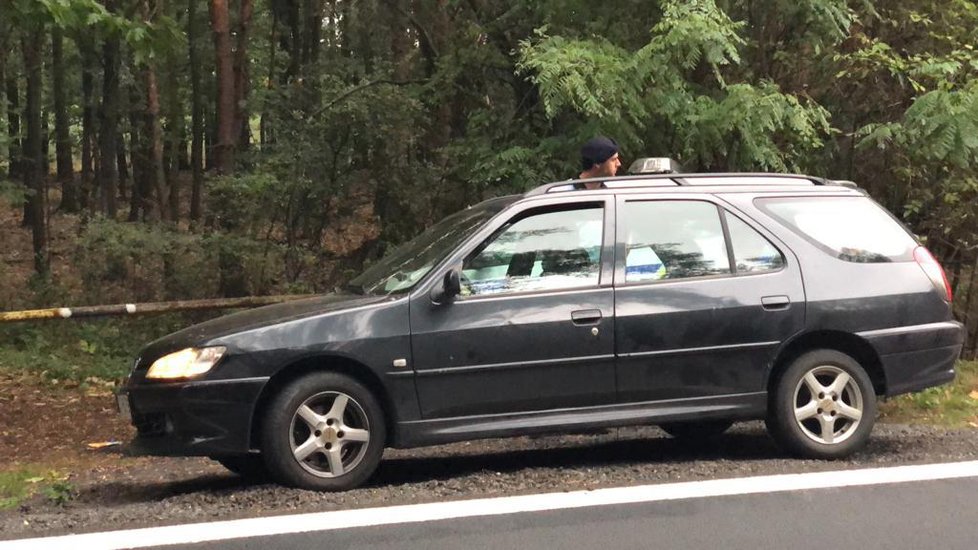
(185, 363)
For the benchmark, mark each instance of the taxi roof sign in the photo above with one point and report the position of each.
(655, 165)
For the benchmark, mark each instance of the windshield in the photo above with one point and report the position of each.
(401, 269)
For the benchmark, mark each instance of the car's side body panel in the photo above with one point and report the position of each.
(445, 430)
(514, 353)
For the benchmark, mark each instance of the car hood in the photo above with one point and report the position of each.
(209, 331)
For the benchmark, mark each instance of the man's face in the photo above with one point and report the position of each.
(609, 167)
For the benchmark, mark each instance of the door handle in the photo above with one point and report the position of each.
(774, 303)
(586, 316)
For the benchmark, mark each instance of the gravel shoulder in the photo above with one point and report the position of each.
(124, 492)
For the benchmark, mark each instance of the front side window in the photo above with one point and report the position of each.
(673, 240)
(547, 250)
(403, 268)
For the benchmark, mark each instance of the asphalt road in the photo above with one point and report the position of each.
(933, 514)
(924, 514)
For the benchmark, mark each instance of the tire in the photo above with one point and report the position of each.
(247, 466)
(324, 431)
(697, 431)
(823, 406)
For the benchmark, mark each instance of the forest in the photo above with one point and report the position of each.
(158, 150)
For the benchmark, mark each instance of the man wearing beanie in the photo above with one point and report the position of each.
(599, 159)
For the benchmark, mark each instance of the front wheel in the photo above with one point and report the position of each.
(823, 406)
(324, 431)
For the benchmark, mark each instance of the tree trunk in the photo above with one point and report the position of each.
(241, 74)
(176, 141)
(121, 165)
(66, 175)
(264, 130)
(34, 162)
(15, 147)
(197, 115)
(174, 137)
(294, 29)
(400, 41)
(183, 149)
(153, 133)
(86, 48)
(314, 25)
(139, 207)
(210, 138)
(3, 87)
(154, 136)
(224, 149)
(109, 122)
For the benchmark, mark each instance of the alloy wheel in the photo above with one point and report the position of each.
(329, 434)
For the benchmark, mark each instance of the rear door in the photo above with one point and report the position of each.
(704, 298)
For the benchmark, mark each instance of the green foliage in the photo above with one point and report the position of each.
(17, 485)
(691, 33)
(90, 352)
(593, 77)
(126, 262)
(13, 192)
(60, 492)
(953, 405)
(659, 90)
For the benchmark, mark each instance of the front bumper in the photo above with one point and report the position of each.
(917, 357)
(198, 418)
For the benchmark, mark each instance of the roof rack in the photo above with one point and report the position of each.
(683, 180)
(602, 183)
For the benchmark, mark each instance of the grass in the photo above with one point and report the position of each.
(19, 485)
(16, 486)
(951, 405)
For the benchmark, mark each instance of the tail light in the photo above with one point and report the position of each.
(934, 271)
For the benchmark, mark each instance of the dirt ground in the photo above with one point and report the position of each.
(73, 430)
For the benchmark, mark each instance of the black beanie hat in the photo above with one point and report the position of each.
(597, 150)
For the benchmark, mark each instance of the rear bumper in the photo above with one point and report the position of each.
(917, 357)
(204, 418)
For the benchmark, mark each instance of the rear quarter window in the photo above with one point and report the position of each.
(853, 229)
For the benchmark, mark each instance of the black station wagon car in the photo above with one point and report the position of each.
(689, 301)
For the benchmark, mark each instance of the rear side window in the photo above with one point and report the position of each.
(673, 240)
(854, 229)
(752, 252)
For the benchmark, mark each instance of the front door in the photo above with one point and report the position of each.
(703, 300)
(534, 326)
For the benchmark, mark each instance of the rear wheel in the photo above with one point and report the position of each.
(324, 431)
(823, 406)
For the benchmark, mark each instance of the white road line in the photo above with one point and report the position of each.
(344, 519)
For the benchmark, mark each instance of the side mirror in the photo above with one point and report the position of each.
(448, 288)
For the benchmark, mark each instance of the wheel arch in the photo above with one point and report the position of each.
(844, 342)
(321, 363)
